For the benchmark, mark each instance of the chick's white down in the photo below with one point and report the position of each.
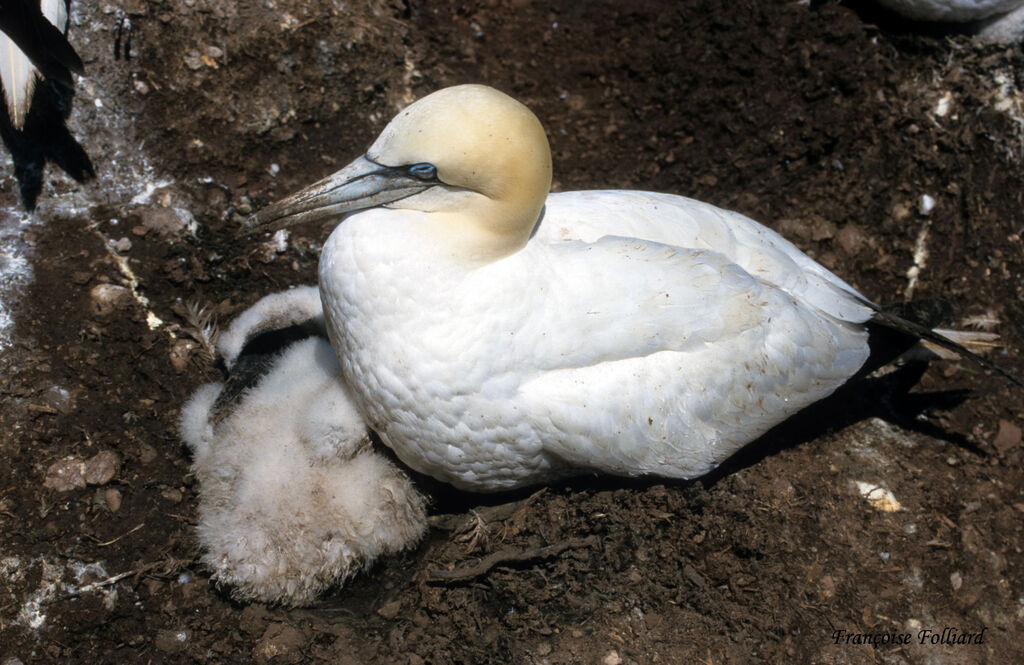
(293, 498)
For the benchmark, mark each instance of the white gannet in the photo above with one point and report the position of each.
(496, 336)
(293, 498)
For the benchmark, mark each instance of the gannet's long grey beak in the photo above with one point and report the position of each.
(360, 185)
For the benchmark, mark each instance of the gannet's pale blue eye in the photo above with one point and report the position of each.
(423, 171)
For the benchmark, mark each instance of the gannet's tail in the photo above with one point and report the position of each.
(950, 340)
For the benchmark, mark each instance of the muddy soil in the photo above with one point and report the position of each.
(893, 157)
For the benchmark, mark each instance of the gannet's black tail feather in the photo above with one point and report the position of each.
(44, 137)
(912, 331)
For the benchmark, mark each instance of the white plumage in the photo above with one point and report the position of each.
(293, 498)
(495, 336)
(620, 354)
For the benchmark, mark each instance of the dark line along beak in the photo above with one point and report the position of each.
(360, 185)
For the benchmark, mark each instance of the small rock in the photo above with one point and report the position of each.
(112, 497)
(957, 580)
(122, 245)
(900, 211)
(65, 475)
(851, 238)
(390, 610)
(168, 222)
(101, 468)
(1008, 437)
(173, 495)
(926, 205)
(282, 643)
(107, 298)
(613, 658)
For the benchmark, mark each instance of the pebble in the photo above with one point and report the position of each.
(168, 222)
(173, 495)
(101, 468)
(281, 643)
(851, 238)
(65, 475)
(1008, 437)
(72, 473)
(107, 298)
(390, 610)
(113, 499)
(613, 658)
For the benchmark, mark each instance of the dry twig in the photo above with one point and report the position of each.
(484, 565)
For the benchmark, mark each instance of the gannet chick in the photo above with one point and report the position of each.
(497, 336)
(293, 498)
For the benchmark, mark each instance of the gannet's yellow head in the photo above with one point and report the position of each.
(474, 158)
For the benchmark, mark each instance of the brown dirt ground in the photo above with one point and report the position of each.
(818, 121)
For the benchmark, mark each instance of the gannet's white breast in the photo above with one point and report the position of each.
(660, 349)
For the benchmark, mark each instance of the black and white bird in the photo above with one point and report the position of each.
(294, 498)
(36, 67)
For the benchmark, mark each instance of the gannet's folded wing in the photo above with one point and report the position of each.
(685, 356)
(687, 223)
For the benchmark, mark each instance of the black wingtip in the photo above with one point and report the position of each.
(900, 324)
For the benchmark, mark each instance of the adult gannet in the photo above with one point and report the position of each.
(293, 498)
(496, 336)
